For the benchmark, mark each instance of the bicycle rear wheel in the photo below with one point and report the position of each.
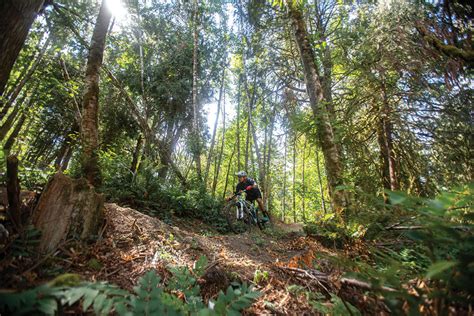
(236, 225)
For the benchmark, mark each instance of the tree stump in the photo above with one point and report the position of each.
(68, 208)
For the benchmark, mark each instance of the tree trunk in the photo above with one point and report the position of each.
(267, 192)
(13, 192)
(294, 179)
(227, 173)
(197, 137)
(303, 186)
(213, 139)
(17, 17)
(67, 209)
(67, 158)
(136, 154)
(65, 147)
(388, 141)
(237, 132)
(321, 191)
(8, 123)
(25, 79)
(283, 214)
(217, 167)
(322, 118)
(90, 103)
(11, 139)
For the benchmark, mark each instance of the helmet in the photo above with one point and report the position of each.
(241, 174)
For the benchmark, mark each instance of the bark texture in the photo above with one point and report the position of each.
(17, 17)
(90, 103)
(16, 131)
(322, 117)
(18, 88)
(13, 192)
(196, 109)
(385, 138)
(67, 209)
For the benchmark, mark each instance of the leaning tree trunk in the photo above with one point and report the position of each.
(322, 118)
(17, 17)
(16, 131)
(67, 209)
(90, 102)
(18, 88)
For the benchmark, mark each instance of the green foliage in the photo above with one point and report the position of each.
(154, 195)
(25, 244)
(260, 275)
(335, 307)
(233, 301)
(148, 297)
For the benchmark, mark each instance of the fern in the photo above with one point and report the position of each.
(233, 301)
(148, 298)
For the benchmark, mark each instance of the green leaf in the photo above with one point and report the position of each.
(89, 296)
(438, 267)
(48, 306)
(397, 197)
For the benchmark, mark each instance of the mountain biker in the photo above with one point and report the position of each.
(253, 192)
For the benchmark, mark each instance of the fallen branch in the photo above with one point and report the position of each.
(325, 281)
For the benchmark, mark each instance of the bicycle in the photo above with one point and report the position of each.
(241, 215)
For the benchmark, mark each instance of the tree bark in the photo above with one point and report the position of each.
(283, 214)
(237, 132)
(11, 139)
(213, 139)
(388, 141)
(303, 194)
(13, 192)
(294, 179)
(136, 154)
(17, 17)
(90, 103)
(267, 192)
(322, 118)
(321, 191)
(228, 171)
(196, 134)
(25, 79)
(65, 148)
(217, 167)
(8, 123)
(67, 209)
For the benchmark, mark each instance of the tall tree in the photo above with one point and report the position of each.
(90, 101)
(196, 132)
(317, 101)
(17, 17)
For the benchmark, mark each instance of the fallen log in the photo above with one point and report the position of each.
(67, 209)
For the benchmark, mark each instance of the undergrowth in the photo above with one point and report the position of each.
(180, 296)
(411, 240)
(150, 194)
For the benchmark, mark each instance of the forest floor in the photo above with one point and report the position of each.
(131, 243)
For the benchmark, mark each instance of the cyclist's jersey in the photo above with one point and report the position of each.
(253, 194)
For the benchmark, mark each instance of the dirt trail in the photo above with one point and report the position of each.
(134, 243)
(131, 243)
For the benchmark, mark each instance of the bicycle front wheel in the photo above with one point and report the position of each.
(236, 219)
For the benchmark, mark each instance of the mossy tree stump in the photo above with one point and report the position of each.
(67, 209)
